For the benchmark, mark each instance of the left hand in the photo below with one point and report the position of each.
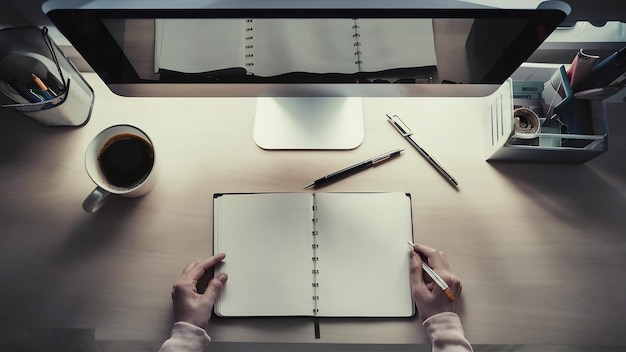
(189, 305)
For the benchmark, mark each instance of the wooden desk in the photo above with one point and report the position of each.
(540, 249)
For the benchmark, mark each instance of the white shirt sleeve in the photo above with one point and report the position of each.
(186, 338)
(444, 330)
(446, 333)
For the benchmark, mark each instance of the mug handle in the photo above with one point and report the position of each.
(95, 200)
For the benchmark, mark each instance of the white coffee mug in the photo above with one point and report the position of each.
(120, 160)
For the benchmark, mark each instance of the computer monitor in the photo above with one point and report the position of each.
(308, 62)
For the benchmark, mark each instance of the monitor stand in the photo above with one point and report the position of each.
(308, 123)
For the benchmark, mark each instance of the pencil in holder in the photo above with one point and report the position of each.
(38, 80)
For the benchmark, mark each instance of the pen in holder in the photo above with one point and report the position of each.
(38, 80)
(564, 114)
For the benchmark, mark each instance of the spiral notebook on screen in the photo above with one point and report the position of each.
(271, 47)
(314, 254)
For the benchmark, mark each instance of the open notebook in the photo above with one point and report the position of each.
(314, 254)
(270, 47)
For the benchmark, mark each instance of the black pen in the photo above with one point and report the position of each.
(351, 170)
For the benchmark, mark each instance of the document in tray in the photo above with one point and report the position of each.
(271, 47)
(320, 254)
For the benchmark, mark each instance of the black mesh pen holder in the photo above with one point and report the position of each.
(35, 77)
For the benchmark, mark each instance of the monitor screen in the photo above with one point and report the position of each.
(215, 47)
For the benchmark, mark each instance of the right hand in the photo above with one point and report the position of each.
(430, 298)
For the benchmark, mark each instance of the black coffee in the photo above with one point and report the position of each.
(126, 160)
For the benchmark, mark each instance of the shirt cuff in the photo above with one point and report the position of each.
(446, 332)
(186, 337)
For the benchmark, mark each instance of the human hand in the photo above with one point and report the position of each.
(430, 298)
(189, 305)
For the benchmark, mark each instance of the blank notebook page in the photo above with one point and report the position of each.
(267, 241)
(363, 258)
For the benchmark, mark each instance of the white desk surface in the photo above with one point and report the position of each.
(540, 249)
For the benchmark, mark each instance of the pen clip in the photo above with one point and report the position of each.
(397, 122)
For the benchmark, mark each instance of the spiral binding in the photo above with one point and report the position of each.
(315, 271)
(357, 45)
(249, 46)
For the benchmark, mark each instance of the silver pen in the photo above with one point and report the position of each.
(405, 131)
